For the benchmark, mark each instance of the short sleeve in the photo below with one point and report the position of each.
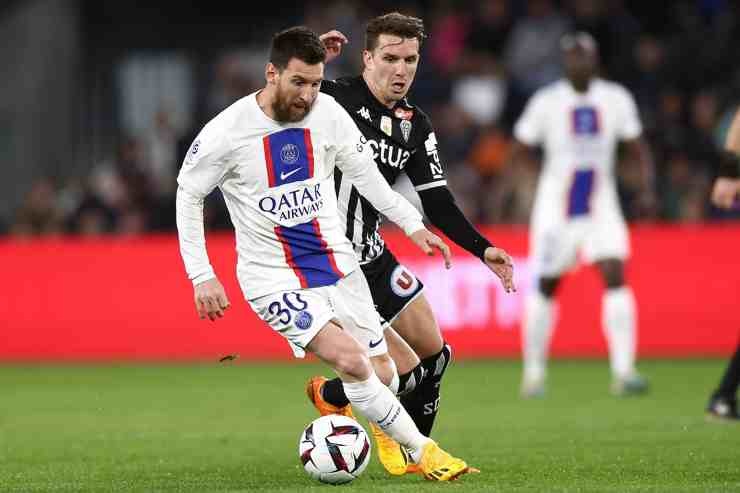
(630, 126)
(529, 128)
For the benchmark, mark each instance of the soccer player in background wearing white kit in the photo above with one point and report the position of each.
(578, 121)
(273, 154)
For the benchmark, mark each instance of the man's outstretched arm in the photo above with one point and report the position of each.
(443, 212)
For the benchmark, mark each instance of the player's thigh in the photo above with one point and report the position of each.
(418, 327)
(337, 348)
(607, 239)
(395, 291)
(403, 355)
(296, 315)
(392, 286)
(554, 248)
(354, 308)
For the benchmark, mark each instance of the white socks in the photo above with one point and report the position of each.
(618, 319)
(538, 321)
(377, 403)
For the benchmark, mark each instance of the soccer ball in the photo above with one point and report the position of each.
(334, 449)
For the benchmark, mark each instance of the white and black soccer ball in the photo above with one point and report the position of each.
(334, 449)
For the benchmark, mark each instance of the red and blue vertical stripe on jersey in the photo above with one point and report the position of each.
(289, 156)
(308, 254)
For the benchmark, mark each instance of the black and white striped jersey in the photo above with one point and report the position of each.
(402, 139)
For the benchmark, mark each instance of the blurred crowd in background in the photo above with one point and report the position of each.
(481, 62)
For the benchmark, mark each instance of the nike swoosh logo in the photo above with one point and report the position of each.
(375, 344)
(286, 175)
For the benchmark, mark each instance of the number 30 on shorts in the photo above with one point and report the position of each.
(292, 303)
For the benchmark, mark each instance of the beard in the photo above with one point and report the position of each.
(287, 111)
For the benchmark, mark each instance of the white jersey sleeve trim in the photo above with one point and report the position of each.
(434, 184)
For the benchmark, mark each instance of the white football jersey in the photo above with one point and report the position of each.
(579, 133)
(277, 182)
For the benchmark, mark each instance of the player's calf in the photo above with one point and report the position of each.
(389, 451)
(423, 402)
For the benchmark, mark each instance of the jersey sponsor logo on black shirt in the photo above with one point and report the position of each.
(388, 153)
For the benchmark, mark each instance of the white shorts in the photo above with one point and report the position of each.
(555, 248)
(299, 315)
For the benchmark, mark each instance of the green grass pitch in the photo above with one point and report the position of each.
(235, 427)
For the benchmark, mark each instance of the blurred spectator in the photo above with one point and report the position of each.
(480, 90)
(701, 141)
(39, 214)
(349, 18)
(490, 151)
(679, 187)
(236, 74)
(614, 28)
(666, 129)
(161, 158)
(490, 28)
(448, 31)
(92, 218)
(647, 78)
(455, 131)
(510, 199)
(479, 65)
(532, 54)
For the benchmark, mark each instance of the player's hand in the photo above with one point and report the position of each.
(725, 191)
(500, 263)
(333, 41)
(210, 299)
(428, 241)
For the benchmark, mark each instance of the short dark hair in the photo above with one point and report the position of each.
(296, 42)
(396, 24)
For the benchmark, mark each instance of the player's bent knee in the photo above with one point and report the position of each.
(355, 364)
(342, 351)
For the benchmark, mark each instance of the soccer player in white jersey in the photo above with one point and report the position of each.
(273, 155)
(579, 121)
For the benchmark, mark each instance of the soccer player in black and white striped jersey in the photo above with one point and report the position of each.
(403, 140)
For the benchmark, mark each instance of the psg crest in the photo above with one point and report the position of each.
(289, 153)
